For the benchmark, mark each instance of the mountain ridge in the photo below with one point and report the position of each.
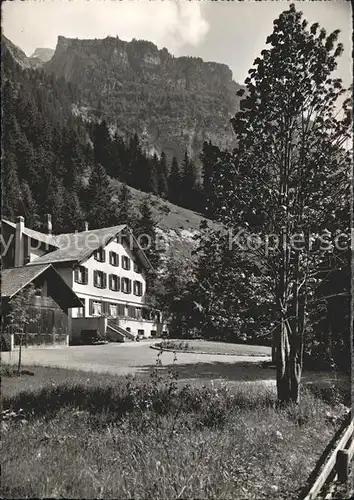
(173, 103)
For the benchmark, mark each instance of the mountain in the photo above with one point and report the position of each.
(9, 48)
(48, 151)
(43, 54)
(173, 103)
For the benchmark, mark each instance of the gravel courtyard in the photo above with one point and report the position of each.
(139, 358)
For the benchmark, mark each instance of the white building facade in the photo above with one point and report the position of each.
(107, 270)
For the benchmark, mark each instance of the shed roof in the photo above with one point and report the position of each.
(15, 279)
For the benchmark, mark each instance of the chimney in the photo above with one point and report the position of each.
(49, 223)
(85, 225)
(19, 242)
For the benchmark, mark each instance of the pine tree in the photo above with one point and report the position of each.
(188, 181)
(152, 181)
(174, 183)
(209, 157)
(55, 204)
(29, 206)
(74, 214)
(125, 212)
(10, 188)
(102, 146)
(145, 232)
(162, 176)
(100, 209)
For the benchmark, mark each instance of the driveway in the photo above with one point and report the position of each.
(121, 359)
(137, 358)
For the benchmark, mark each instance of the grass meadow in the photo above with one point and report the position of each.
(70, 434)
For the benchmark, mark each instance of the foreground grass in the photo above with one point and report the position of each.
(83, 436)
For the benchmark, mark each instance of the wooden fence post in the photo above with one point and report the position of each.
(342, 465)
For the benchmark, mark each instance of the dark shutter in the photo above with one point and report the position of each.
(110, 281)
(105, 307)
(118, 283)
(129, 286)
(91, 306)
(103, 255)
(104, 280)
(76, 275)
(85, 276)
(95, 278)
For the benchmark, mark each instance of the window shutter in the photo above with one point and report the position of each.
(110, 281)
(85, 276)
(103, 255)
(91, 307)
(95, 278)
(76, 274)
(111, 258)
(129, 286)
(104, 280)
(118, 283)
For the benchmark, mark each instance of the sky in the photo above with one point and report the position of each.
(229, 32)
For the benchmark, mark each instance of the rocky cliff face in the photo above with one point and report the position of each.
(9, 48)
(43, 54)
(173, 103)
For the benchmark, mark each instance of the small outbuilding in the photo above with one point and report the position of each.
(47, 307)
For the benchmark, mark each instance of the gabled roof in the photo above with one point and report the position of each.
(15, 279)
(78, 247)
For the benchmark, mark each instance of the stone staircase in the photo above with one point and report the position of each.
(117, 333)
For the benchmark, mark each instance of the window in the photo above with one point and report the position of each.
(141, 333)
(121, 310)
(113, 310)
(114, 282)
(132, 312)
(99, 279)
(138, 313)
(137, 267)
(114, 259)
(96, 308)
(138, 288)
(126, 285)
(81, 310)
(153, 333)
(125, 262)
(100, 255)
(81, 275)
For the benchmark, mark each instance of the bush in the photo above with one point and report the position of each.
(175, 345)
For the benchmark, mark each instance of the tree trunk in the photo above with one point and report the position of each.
(295, 370)
(288, 366)
(20, 356)
(282, 353)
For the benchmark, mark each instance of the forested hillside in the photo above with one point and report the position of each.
(56, 163)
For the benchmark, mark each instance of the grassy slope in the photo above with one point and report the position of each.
(107, 437)
(176, 223)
